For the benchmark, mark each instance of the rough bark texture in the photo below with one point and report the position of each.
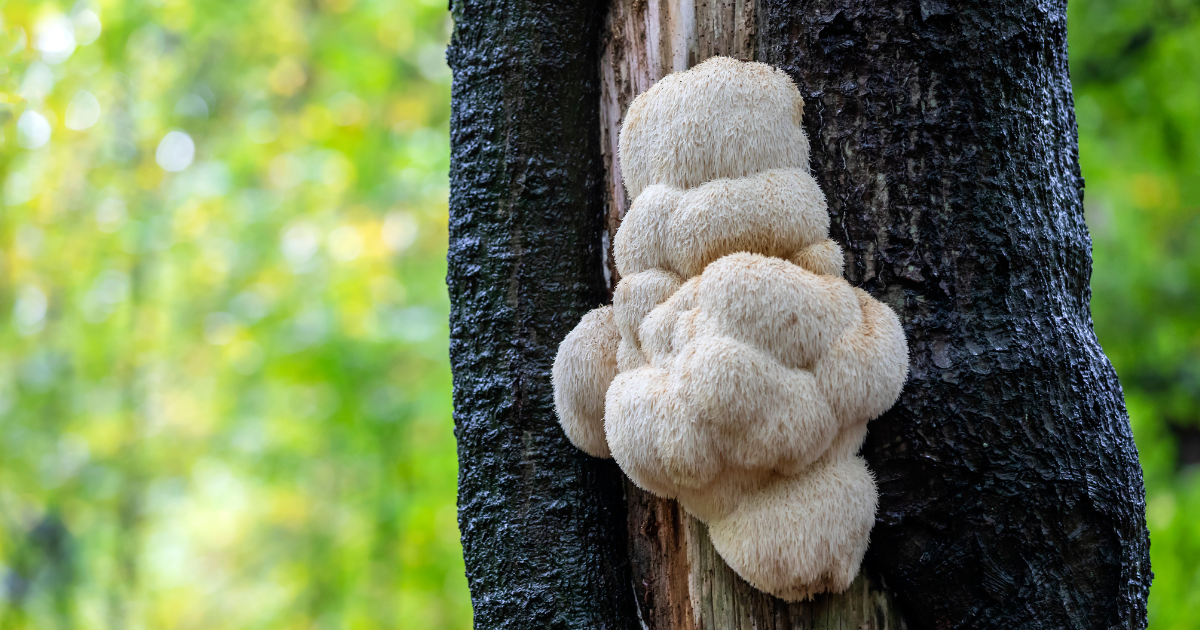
(944, 137)
(542, 524)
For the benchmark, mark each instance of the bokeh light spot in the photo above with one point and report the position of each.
(87, 26)
(29, 312)
(345, 243)
(33, 130)
(110, 214)
(37, 82)
(287, 77)
(83, 111)
(175, 151)
(300, 241)
(399, 231)
(54, 37)
(191, 106)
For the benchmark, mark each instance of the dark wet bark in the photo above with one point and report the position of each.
(542, 523)
(944, 139)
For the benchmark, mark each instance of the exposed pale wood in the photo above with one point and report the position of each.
(646, 40)
(682, 584)
(680, 581)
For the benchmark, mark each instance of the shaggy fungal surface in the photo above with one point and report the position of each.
(736, 370)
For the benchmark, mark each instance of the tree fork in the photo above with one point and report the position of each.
(944, 139)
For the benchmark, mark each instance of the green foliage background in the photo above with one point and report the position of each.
(1135, 66)
(224, 393)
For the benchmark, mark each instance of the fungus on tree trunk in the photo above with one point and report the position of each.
(746, 367)
(943, 139)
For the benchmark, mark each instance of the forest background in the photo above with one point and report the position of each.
(224, 387)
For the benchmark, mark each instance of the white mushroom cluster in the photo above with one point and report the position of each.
(736, 370)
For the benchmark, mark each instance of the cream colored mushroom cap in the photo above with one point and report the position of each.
(724, 118)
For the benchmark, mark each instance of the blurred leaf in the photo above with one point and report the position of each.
(1136, 71)
(224, 393)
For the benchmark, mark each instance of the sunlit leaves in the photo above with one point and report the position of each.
(224, 398)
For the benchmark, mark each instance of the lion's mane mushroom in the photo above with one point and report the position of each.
(736, 370)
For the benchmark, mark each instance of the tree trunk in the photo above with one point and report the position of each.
(944, 139)
(542, 524)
